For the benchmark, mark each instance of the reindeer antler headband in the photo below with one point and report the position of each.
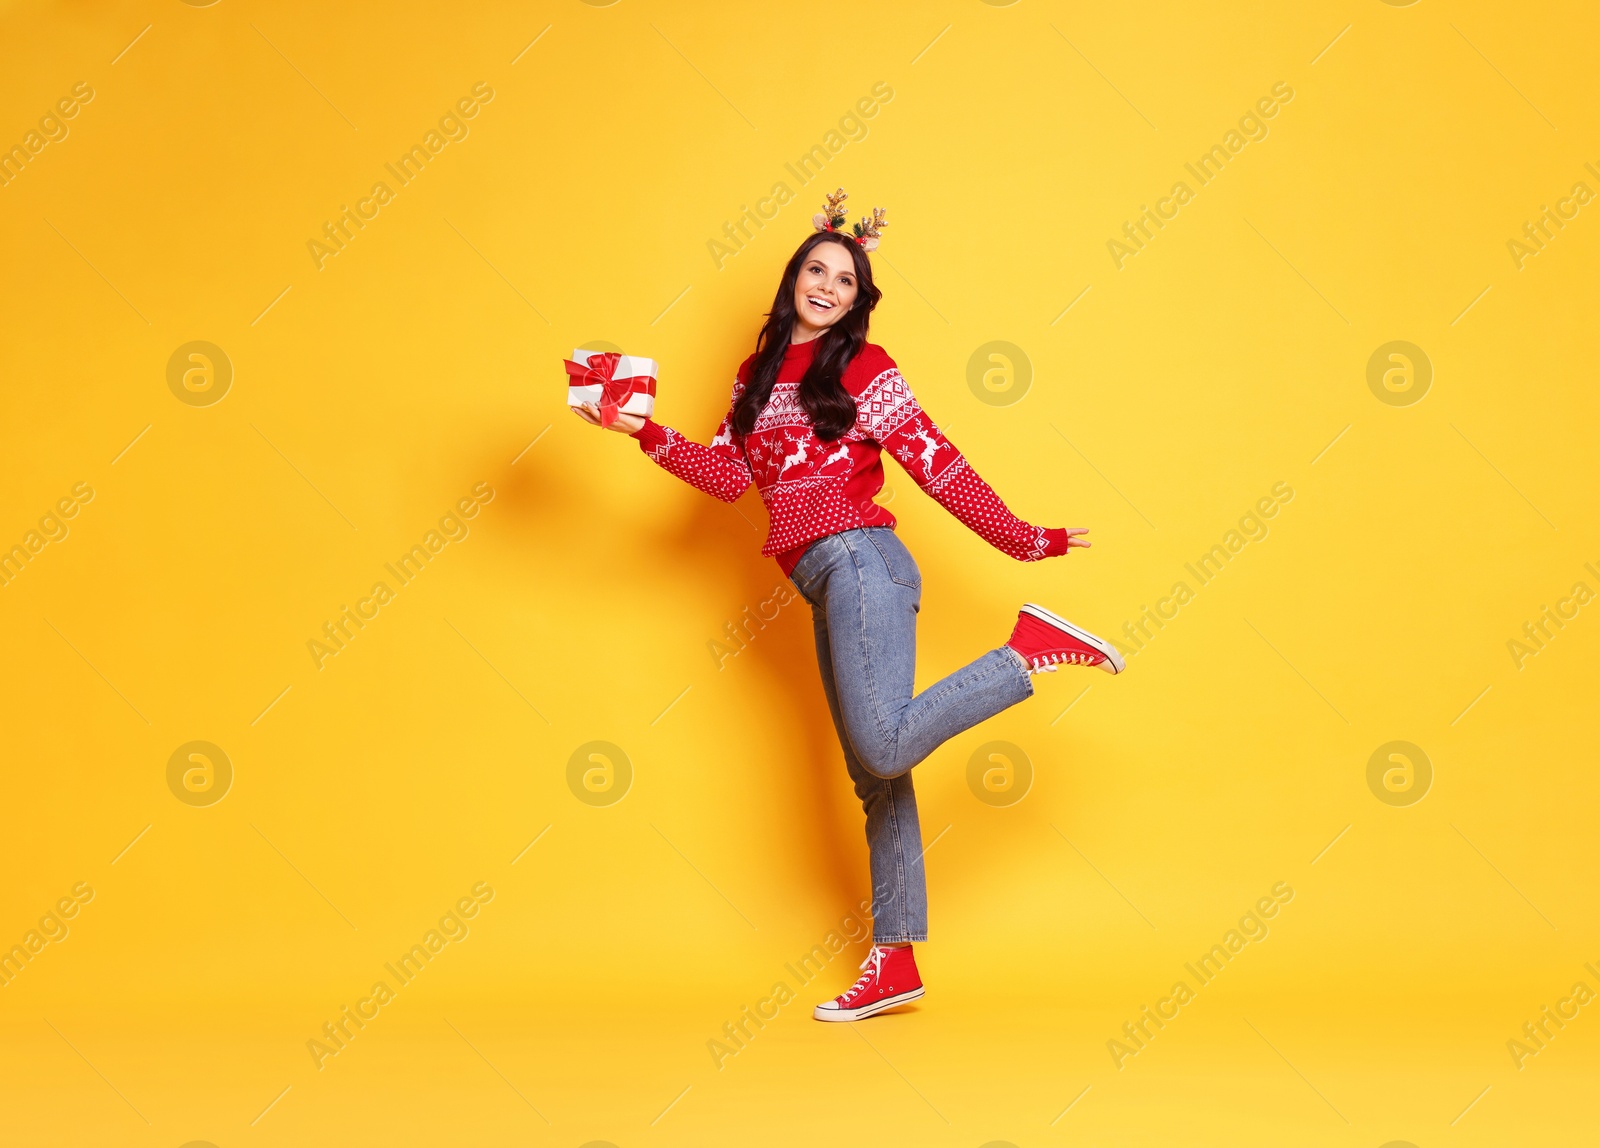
(832, 218)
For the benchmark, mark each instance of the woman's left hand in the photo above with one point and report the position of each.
(1074, 540)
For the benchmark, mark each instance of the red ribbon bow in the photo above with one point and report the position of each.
(601, 372)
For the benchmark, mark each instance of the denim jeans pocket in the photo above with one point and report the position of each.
(901, 566)
(800, 589)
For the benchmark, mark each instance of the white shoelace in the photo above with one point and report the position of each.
(1073, 659)
(875, 960)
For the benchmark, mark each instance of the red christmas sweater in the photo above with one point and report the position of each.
(813, 488)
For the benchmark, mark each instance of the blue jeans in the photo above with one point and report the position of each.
(865, 590)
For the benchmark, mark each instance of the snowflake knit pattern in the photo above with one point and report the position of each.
(813, 488)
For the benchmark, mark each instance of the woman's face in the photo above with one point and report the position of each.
(824, 291)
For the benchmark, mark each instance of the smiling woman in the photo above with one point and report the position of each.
(813, 410)
(829, 275)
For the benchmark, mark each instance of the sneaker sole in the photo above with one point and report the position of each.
(820, 1013)
(1113, 658)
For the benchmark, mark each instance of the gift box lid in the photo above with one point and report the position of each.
(628, 366)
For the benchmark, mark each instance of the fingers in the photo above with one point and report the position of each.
(590, 413)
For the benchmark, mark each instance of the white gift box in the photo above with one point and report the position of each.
(630, 379)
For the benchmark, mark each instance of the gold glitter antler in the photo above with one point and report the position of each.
(832, 216)
(867, 229)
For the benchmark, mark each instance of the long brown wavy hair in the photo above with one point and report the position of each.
(822, 394)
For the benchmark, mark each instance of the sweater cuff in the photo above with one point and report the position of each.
(1056, 542)
(650, 436)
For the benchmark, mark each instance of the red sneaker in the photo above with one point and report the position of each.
(890, 979)
(1045, 639)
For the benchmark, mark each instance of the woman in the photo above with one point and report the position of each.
(812, 410)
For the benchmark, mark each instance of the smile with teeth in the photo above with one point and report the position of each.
(819, 304)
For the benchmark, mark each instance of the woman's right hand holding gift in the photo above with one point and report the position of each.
(590, 413)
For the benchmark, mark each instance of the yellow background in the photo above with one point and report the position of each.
(425, 358)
